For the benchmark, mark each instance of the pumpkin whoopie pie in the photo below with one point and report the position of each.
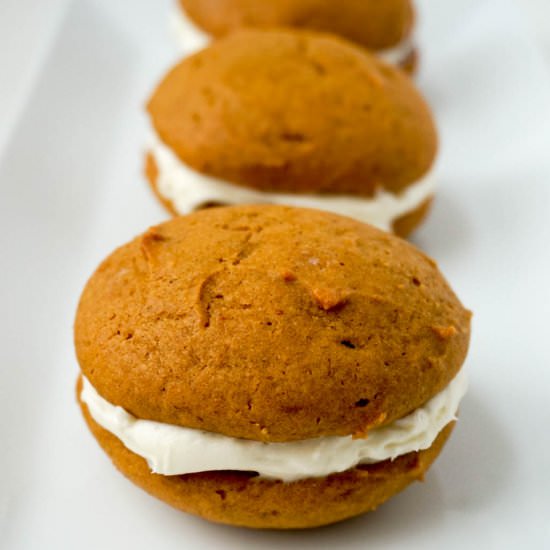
(270, 366)
(293, 117)
(385, 27)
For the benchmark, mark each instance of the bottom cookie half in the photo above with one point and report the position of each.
(244, 499)
(402, 226)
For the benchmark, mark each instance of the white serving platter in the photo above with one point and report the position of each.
(72, 189)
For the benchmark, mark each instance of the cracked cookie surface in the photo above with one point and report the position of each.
(269, 323)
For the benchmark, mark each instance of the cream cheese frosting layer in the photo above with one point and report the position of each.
(187, 35)
(191, 39)
(188, 190)
(175, 450)
(398, 54)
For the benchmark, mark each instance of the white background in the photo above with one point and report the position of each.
(73, 80)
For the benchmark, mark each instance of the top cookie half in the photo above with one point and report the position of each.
(375, 24)
(297, 112)
(269, 323)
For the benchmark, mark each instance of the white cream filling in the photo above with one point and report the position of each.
(191, 39)
(173, 450)
(188, 190)
(397, 55)
(188, 36)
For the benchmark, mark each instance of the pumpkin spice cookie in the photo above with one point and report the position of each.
(270, 366)
(297, 118)
(384, 27)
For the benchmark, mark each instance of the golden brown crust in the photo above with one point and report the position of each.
(294, 111)
(406, 224)
(151, 173)
(269, 323)
(239, 499)
(410, 63)
(402, 226)
(374, 24)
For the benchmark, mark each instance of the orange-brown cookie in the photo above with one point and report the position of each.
(295, 118)
(276, 325)
(385, 27)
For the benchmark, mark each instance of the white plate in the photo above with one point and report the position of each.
(72, 190)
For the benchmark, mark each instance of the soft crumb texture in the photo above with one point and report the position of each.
(295, 111)
(240, 498)
(375, 24)
(269, 323)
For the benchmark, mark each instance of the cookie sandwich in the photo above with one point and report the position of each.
(385, 27)
(293, 117)
(269, 366)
